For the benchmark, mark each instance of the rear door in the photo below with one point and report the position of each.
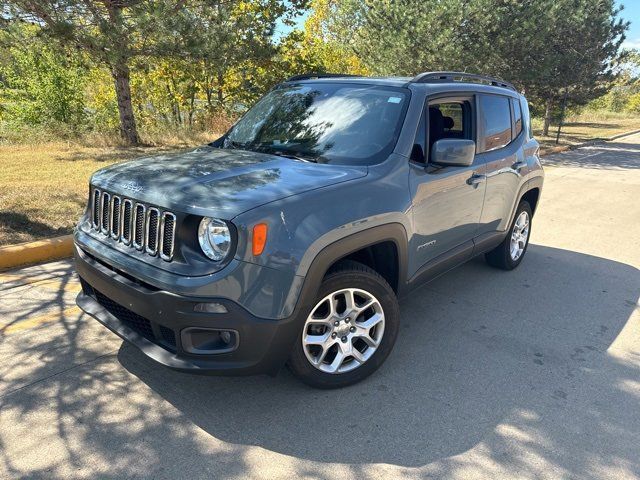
(500, 122)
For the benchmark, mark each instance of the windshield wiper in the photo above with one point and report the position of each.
(238, 145)
(284, 153)
(281, 153)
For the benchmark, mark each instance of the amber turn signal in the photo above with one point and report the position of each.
(259, 238)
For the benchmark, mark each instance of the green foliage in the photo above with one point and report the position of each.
(199, 64)
(633, 104)
(562, 45)
(403, 38)
(624, 93)
(321, 47)
(41, 84)
(216, 36)
(100, 97)
(546, 47)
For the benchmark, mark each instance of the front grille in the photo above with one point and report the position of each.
(95, 214)
(146, 228)
(127, 207)
(153, 227)
(115, 217)
(104, 213)
(138, 226)
(131, 319)
(168, 336)
(168, 228)
(137, 323)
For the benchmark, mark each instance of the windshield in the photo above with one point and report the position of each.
(334, 123)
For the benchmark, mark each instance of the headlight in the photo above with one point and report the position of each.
(215, 238)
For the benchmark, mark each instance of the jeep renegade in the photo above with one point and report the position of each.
(290, 239)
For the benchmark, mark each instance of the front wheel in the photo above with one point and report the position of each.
(510, 252)
(350, 331)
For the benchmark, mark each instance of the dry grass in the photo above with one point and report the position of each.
(587, 126)
(44, 187)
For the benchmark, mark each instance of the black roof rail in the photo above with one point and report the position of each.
(441, 77)
(310, 76)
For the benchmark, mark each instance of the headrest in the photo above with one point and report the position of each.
(448, 122)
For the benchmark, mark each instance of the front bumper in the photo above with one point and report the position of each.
(153, 320)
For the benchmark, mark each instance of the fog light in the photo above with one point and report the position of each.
(210, 308)
(225, 337)
(208, 341)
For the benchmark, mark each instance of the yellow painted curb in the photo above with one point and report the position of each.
(40, 251)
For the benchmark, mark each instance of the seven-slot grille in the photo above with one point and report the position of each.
(145, 228)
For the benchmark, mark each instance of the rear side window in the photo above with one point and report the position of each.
(517, 117)
(495, 118)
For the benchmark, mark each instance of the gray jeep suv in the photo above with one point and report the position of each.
(291, 238)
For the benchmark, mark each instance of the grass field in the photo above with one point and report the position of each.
(44, 187)
(587, 126)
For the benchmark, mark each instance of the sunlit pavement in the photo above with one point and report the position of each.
(529, 374)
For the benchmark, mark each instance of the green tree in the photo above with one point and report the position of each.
(551, 49)
(115, 33)
(548, 48)
(40, 83)
(324, 46)
(624, 94)
(401, 38)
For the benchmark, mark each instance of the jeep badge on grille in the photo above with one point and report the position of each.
(133, 187)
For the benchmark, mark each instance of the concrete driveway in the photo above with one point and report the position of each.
(529, 374)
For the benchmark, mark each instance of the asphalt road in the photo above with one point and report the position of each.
(528, 374)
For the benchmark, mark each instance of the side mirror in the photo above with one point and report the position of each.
(453, 152)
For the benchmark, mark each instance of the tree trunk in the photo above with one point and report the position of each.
(128, 129)
(209, 94)
(547, 119)
(191, 105)
(220, 89)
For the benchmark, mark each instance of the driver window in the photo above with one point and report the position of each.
(449, 120)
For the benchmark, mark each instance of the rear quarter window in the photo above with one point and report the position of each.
(517, 117)
(495, 119)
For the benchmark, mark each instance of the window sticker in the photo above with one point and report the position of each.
(394, 100)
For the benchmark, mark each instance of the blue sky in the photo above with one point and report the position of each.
(631, 13)
(282, 30)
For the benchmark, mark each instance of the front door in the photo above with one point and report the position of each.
(447, 200)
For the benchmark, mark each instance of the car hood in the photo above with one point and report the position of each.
(218, 182)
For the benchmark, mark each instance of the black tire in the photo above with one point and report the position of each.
(500, 257)
(350, 274)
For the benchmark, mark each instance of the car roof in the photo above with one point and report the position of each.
(390, 81)
(443, 85)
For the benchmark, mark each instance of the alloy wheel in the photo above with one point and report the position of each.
(343, 330)
(519, 236)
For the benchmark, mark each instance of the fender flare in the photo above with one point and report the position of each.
(534, 182)
(329, 255)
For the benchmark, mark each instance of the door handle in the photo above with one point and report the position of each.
(476, 179)
(519, 164)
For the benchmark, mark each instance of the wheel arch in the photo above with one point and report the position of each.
(369, 247)
(529, 191)
(531, 196)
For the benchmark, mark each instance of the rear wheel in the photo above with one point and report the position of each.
(510, 252)
(350, 331)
